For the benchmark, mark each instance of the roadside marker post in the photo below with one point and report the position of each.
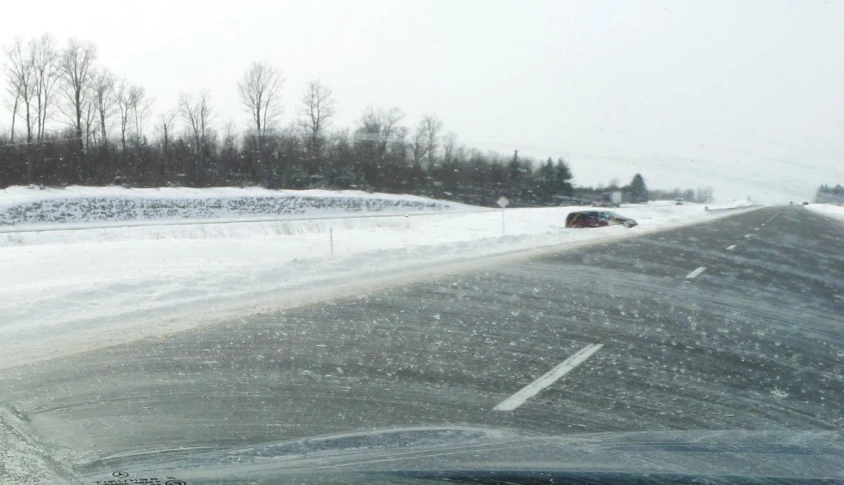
(503, 203)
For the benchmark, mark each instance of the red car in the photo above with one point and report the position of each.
(598, 219)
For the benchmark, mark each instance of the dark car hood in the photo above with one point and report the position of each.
(492, 455)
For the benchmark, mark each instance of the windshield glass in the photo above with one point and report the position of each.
(232, 227)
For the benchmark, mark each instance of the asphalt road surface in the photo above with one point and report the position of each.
(755, 340)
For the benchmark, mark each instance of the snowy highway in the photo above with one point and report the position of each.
(732, 324)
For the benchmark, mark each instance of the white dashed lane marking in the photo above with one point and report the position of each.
(696, 272)
(549, 378)
(730, 248)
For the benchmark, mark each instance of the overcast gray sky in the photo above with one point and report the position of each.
(742, 95)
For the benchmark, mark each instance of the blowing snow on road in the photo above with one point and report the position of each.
(699, 318)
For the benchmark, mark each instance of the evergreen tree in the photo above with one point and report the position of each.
(514, 173)
(638, 189)
(545, 180)
(563, 178)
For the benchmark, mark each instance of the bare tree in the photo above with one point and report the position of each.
(380, 124)
(419, 144)
(45, 65)
(104, 94)
(13, 93)
(230, 136)
(91, 122)
(449, 146)
(426, 140)
(317, 109)
(76, 68)
(165, 122)
(19, 72)
(260, 92)
(127, 98)
(382, 127)
(141, 109)
(229, 148)
(432, 126)
(196, 112)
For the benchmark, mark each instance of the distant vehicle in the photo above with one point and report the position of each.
(805, 203)
(678, 201)
(791, 202)
(615, 198)
(598, 219)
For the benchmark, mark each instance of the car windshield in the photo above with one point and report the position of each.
(325, 235)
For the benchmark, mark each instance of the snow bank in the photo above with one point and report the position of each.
(829, 210)
(33, 205)
(736, 204)
(23, 461)
(310, 237)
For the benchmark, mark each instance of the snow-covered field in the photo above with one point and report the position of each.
(829, 210)
(69, 290)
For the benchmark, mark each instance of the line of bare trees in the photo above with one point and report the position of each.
(59, 92)
(75, 122)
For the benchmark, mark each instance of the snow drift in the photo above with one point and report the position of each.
(35, 205)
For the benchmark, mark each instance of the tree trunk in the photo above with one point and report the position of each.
(103, 130)
(14, 116)
(123, 146)
(28, 123)
(38, 118)
(81, 143)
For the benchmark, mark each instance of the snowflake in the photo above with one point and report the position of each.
(778, 393)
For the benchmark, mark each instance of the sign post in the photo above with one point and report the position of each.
(503, 203)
